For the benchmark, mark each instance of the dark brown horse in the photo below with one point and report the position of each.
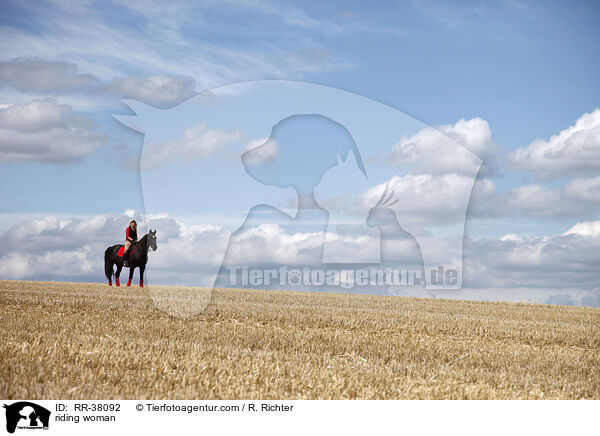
(138, 257)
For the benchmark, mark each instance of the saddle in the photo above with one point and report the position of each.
(121, 250)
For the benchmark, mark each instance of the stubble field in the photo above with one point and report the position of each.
(91, 341)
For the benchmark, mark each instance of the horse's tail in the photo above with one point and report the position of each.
(108, 264)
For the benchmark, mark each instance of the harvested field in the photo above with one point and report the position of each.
(91, 341)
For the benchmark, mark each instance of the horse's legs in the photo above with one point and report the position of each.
(142, 268)
(131, 270)
(117, 274)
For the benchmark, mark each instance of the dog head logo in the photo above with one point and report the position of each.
(26, 415)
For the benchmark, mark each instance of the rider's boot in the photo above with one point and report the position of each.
(126, 259)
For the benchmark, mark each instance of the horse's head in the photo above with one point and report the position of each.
(152, 239)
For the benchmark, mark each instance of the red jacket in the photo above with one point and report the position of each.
(131, 234)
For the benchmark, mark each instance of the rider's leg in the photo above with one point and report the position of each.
(126, 253)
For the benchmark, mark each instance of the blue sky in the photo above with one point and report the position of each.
(514, 71)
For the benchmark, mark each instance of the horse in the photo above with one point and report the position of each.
(138, 257)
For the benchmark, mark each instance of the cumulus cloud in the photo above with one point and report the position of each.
(37, 75)
(427, 198)
(586, 228)
(56, 249)
(261, 151)
(189, 256)
(573, 151)
(532, 200)
(586, 190)
(422, 204)
(196, 142)
(439, 151)
(160, 91)
(270, 244)
(432, 156)
(73, 249)
(561, 300)
(44, 130)
(551, 262)
(578, 198)
(590, 299)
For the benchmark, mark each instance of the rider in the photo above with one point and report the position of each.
(130, 240)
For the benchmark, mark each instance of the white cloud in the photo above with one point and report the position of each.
(45, 130)
(160, 90)
(15, 266)
(189, 256)
(431, 208)
(574, 150)
(49, 248)
(511, 237)
(591, 299)
(586, 190)
(351, 243)
(162, 40)
(33, 74)
(440, 150)
(426, 204)
(577, 198)
(196, 142)
(427, 198)
(34, 116)
(586, 228)
(532, 200)
(261, 151)
(270, 244)
(433, 152)
(422, 198)
(474, 134)
(53, 249)
(551, 262)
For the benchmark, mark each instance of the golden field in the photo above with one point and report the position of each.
(91, 341)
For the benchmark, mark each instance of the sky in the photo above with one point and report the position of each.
(482, 117)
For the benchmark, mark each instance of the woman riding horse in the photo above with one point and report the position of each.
(138, 257)
(130, 239)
